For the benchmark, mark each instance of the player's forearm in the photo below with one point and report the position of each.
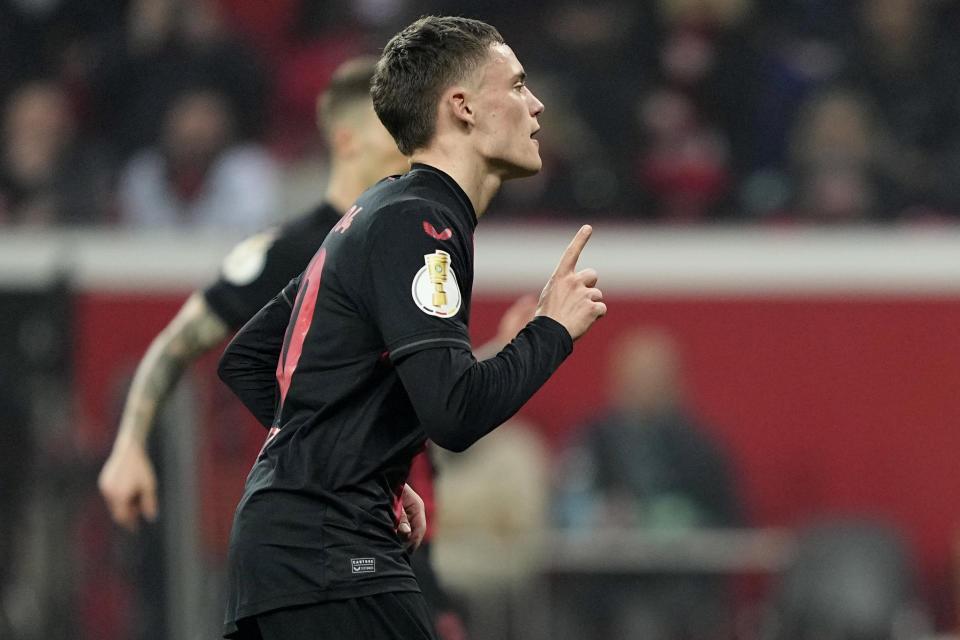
(459, 400)
(193, 332)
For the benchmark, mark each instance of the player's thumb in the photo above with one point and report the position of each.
(404, 526)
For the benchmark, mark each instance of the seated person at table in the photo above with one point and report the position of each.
(644, 463)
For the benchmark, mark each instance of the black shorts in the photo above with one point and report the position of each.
(385, 616)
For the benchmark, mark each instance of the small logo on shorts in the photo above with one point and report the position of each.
(363, 565)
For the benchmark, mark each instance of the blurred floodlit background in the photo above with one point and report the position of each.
(759, 441)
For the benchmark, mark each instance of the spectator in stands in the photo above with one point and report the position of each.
(585, 44)
(47, 177)
(645, 464)
(833, 161)
(683, 165)
(904, 65)
(168, 47)
(59, 39)
(694, 121)
(794, 48)
(199, 177)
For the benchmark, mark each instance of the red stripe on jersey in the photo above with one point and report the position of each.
(298, 328)
(270, 436)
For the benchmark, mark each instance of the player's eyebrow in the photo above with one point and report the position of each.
(520, 77)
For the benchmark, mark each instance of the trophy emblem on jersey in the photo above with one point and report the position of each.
(437, 264)
(435, 288)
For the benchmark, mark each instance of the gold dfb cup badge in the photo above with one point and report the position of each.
(438, 267)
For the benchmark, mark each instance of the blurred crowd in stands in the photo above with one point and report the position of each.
(200, 113)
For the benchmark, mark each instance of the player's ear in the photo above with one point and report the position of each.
(457, 100)
(343, 142)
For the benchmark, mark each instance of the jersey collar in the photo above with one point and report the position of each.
(458, 192)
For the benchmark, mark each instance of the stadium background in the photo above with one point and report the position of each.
(820, 345)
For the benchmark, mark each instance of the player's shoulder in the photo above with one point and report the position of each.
(313, 226)
(285, 248)
(402, 210)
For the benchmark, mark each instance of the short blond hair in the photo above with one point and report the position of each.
(347, 91)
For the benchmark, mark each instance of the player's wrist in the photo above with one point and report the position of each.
(129, 439)
(556, 327)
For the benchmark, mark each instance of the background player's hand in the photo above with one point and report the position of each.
(516, 318)
(413, 518)
(571, 297)
(129, 485)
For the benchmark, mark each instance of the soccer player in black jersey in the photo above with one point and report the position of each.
(374, 350)
(361, 152)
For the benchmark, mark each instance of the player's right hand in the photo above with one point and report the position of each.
(571, 297)
(413, 518)
(129, 485)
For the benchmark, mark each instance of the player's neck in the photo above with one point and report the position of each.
(343, 188)
(473, 175)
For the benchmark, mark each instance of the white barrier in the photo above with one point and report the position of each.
(631, 259)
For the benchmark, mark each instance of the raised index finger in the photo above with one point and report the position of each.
(568, 261)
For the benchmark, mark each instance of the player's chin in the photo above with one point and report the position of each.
(527, 168)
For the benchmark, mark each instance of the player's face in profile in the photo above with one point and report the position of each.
(382, 157)
(507, 116)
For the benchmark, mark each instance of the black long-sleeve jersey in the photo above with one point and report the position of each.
(253, 273)
(374, 357)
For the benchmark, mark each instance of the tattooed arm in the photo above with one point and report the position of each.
(127, 480)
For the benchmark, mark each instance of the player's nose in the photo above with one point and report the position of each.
(536, 107)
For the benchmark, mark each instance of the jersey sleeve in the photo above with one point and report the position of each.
(257, 269)
(413, 286)
(244, 284)
(459, 399)
(249, 363)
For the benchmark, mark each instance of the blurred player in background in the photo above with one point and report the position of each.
(361, 153)
(374, 350)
